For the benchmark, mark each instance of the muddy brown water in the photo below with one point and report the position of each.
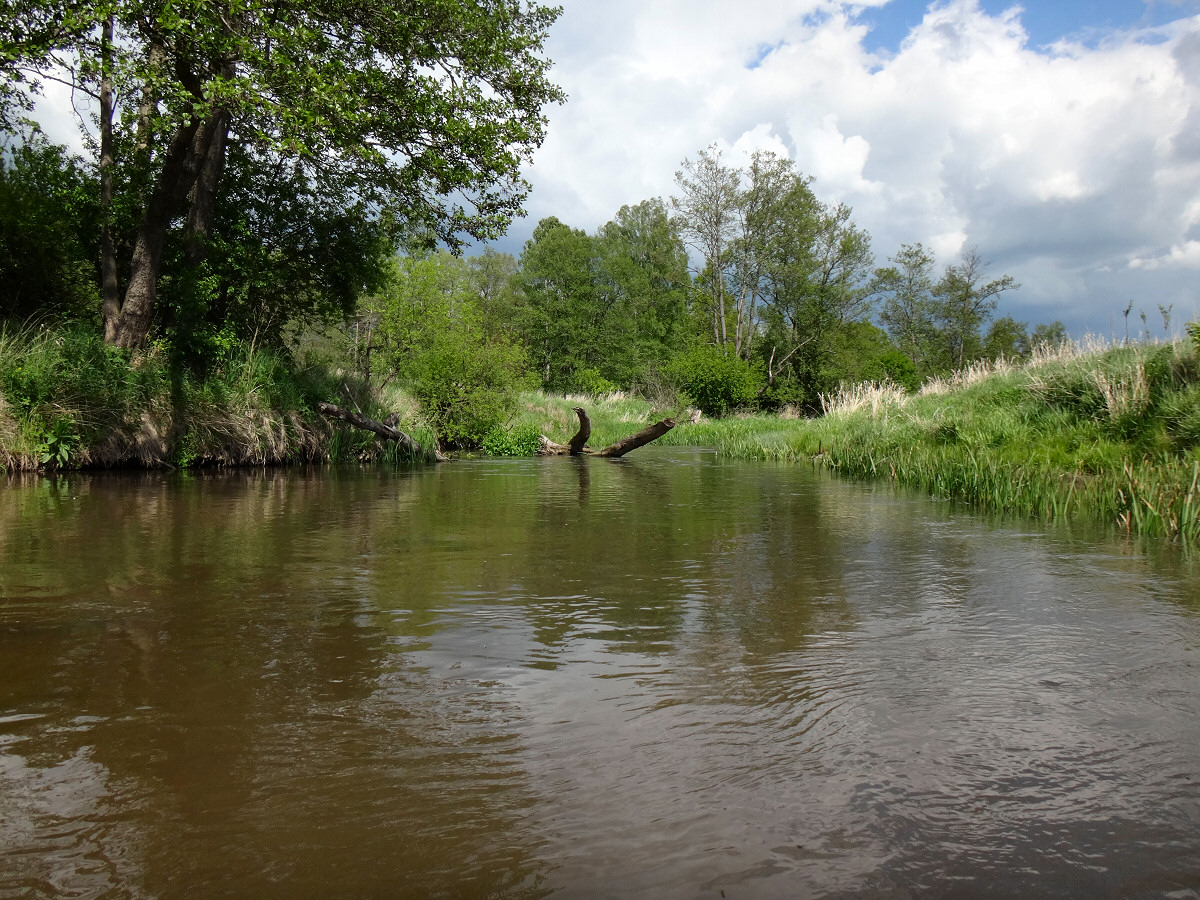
(665, 676)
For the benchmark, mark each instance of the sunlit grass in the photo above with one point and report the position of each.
(1083, 430)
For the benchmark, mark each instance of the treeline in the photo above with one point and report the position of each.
(742, 291)
(745, 290)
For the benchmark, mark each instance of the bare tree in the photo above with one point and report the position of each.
(707, 211)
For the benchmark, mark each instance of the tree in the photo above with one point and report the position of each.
(1006, 338)
(283, 251)
(46, 251)
(774, 214)
(642, 268)
(962, 303)
(424, 107)
(563, 324)
(907, 291)
(1048, 336)
(707, 210)
(820, 291)
(494, 280)
(429, 334)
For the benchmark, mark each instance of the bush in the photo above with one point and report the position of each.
(466, 386)
(716, 382)
(524, 440)
(591, 382)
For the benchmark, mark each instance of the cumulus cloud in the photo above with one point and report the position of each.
(1075, 168)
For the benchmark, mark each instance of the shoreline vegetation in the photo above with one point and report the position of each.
(246, 244)
(1083, 430)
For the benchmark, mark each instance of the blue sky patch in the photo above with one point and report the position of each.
(1045, 21)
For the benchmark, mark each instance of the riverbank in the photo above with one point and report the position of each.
(1080, 431)
(68, 401)
(1083, 431)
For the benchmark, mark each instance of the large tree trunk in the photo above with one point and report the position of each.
(186, 157)
(132, 323)
(202, 209)
(578, 443)
(110, 288)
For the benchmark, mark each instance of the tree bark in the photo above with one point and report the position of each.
(202, 209)
(132, 324)
(110, 288)
(643, 437)
(383, 429)
(579, 441)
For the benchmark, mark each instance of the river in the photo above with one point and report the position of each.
(669, 675)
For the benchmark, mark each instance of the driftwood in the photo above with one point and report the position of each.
(386, 429)
(576, 446)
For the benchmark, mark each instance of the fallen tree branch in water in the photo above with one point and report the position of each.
(386, 430)
(575, 447)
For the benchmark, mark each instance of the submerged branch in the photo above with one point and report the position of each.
(385, 430)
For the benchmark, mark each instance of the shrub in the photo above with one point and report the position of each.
(590, 381)
(523, 440)
(715, 381)
(466, 386)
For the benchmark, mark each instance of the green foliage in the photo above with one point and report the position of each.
(962, 303)
(717, 382)
(67, 399)
(429, 334)
(589, 381)
(938, 324)
(907, 290)
(47, 244)
(1193, 330)
(334, 125)
(522, 440)
(601, 310)
(58, 442)
(43, 372)
(1006, 338)
(1042, 442)
(1053, 334)
(286, 252)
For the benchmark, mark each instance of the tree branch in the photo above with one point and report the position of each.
(384, 430)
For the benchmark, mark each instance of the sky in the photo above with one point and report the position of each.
(1061, 138)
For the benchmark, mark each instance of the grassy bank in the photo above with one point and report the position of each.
(1104, 433)
(68, 401)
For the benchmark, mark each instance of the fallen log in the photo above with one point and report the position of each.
(576, 446)
(643, 437)
(386, 430)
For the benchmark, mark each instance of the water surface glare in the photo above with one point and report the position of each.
(666, 676)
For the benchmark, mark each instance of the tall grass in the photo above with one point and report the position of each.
(67, 400)
(1081, 430)
(1111, 433)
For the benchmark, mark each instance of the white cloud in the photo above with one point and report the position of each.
(1185, 255)
(1058, 164)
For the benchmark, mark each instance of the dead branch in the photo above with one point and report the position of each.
(578, 442)
(643, 437)
(576, 445)
(386, 430)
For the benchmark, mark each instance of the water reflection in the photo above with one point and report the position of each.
(661, 676)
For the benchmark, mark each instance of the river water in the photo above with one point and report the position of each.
(664, 676)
